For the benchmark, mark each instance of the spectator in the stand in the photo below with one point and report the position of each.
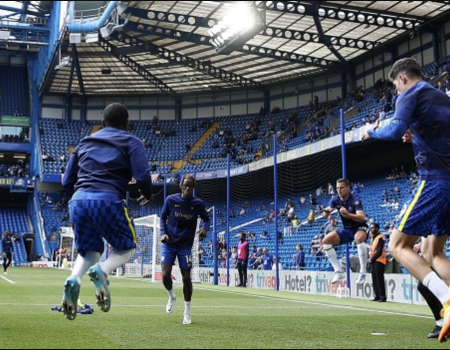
(267, 260)
(311, 217)
(319, 191)
(395, 204)
(300, 263)
(331, 191)
(387, 107)
(441, 87)
(312, 200)
(316, 101)
(291, 213)
(265, 235)
(302, 201)
(258, 260)
(274, 265)
(331, 226)
(382, 115)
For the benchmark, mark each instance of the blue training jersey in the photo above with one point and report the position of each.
(179, 220)
(426, 110)
(7, 245)
(106, 162)
(353, 204)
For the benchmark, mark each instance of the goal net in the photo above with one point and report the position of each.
(67, 252)
(147, 261)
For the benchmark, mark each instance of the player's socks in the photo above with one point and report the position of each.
(438, 287)
(171, 294)
(362, 254)
(187, 307)
(116, 259)
(83, 264)
(332, 256)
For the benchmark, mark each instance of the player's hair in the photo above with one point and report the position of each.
(345, 181)
(115, 115)
(188, 177)
(408, 66)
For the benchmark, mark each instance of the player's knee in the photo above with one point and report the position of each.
(327, 247)
(166, 274)
(394, 249)
(187, 280)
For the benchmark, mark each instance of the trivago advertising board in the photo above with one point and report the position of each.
(400, 288)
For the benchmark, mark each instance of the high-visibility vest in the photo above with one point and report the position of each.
(383, 258)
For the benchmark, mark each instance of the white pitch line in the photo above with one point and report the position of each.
(163, 306)
(7, 280)
(318, 304)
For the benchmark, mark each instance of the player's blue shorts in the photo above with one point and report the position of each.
(348, 236)
(95, 216)
(170, 253)
(428, 211)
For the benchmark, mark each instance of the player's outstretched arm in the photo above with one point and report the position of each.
(141, 170)
(391, 132)
(71, 176)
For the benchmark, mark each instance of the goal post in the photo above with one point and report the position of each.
(147, 262)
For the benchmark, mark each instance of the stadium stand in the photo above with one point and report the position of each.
(15, 221)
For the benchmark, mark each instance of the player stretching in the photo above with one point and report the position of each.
(422, 117)
(99, 172)
(8, 251)
(355, 228)
(178, 228)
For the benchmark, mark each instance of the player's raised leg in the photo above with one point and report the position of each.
(433, 253)
(401, 247)
(329, 242)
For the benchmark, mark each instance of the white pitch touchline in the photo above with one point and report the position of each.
(163, 305)
(318, 304)
(7, 280)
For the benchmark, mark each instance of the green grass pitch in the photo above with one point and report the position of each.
(222, 318)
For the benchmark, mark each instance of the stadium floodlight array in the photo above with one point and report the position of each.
(242, 23)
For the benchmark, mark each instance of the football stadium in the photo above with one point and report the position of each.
(224, 174)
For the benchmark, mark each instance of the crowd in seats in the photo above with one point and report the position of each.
(22, 138)
(19, 169)
(55, 213)
(299, 224)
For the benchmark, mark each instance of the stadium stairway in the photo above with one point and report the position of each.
(203, 140)
(94, 129)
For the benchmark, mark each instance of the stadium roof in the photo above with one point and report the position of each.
(165, 46)
(23, 11)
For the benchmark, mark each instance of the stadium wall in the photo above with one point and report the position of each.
(377, 67)
(230, 103)
(400, 288)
